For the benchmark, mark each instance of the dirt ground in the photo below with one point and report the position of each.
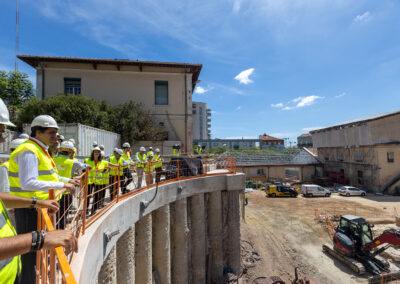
(283, 232)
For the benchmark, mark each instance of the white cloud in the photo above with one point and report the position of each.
(298, 102)
(308, 129)
(236, 6)
(339, 96)
(243, 77)
(202, 90)
(363, 17)
(278, 105)
(239, 108)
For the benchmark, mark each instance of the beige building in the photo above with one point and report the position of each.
(164, 88)
(364, 152)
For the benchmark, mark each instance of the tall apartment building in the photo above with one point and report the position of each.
(163, 88)
(201, 121)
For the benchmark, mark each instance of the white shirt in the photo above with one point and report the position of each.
(28, 174)
(4, 183)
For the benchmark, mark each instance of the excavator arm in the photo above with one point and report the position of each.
(390, 236)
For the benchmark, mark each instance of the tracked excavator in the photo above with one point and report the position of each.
(353, 244)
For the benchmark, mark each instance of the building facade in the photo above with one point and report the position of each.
(305, 140)
(363, 153)
(268, 142)
(163, 88)
(233, 144)
(201, 121)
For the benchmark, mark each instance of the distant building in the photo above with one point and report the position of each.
(201, 121)
(233, 144)
(363, 152)
(305, 140)
(163, 88)
(267, 141)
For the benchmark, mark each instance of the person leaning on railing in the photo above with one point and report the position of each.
(126, 147)
(140, 162)
(158, 164)
(32, 172)
(117, 160)
(13, 245)
(148, 169)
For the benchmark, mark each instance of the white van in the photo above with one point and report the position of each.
(314, 190)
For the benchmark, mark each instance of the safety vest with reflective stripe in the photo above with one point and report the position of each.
(64, 166)
(97, 174)
(9, 268)
(175, 152)
(46, 171)
(148, 167)
(113, 160)
(5, 164)
(127, 158)
(140, 160)
(157, 161)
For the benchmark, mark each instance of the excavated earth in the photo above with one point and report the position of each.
(280, 234)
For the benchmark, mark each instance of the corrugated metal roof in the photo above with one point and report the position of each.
(359, 120)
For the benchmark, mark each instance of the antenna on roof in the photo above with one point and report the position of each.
(16, 34)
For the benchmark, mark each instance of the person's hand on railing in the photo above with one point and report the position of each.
(62, 238)
(52, 205)
(70, 187)
(75, 181)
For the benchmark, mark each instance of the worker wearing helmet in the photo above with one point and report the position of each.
(150, 151)
(72, 140)
(116, 171)
(175, 150)
(200, 149)
(4, 182)
(60, 138)
(127, 176)
(148, 169)
(24, 136)
(66, 167)
(13, 245)
(140, 161)
(32, 172)
(158, 164)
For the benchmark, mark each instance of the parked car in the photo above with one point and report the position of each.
(281, 190)
(314, 190)
(351, 190)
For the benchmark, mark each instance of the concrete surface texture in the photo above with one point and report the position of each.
(108, 271)
(196, 232)
(126, 257)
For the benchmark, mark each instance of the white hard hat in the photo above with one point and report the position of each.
(157, 150)
(4, 115)
(23, 136)
(126, 145)
(16, 142)
(61, 137)
(142, 149)
(96, 149)
(151, 155)
(103, 154)
(67, 146)
(95, 144)
(44, 121)
(72, 140)
(150, 148)
(101, 146)
(116, 149)
(120, 152)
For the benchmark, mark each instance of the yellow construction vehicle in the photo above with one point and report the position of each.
(281, 190)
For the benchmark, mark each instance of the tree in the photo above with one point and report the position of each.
(15, 89)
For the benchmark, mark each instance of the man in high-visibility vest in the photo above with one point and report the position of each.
(116, 159)
(200, 149)
(140, 161)
(66, 168)
(175, 150)
(158, 164)
(72, 140)
(127, 176)
(148, 169)
(32, 172)
(150, 151)
(11, 245)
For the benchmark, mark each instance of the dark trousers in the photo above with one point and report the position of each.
(62, 213)
(127, 175)
(26, 221)
(114, 189)
(97, 190)
(158, 174)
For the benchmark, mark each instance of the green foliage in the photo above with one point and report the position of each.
(128, 119)
(218, 150)
(15, 89)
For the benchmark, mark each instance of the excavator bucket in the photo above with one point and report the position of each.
(385, 277)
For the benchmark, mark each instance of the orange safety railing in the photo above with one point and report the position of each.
(100, 189)
(387, 277)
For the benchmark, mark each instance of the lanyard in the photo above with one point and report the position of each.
(44, 151)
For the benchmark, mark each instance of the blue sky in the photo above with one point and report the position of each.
(276, 66)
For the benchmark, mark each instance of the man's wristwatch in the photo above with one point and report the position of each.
(34, 200)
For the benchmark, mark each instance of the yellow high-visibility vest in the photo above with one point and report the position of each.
(5, 164)
(157, 161)
(127, 158)
(64, 166)
(140, 159)
(11, 267)
(97, 174)
(113, 160)
(47, 170)
(175, 152)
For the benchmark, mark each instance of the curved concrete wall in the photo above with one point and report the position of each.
(127, 216)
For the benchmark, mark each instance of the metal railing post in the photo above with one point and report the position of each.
(85, 193)
(52, 276)
(177, 168)
(118, 182)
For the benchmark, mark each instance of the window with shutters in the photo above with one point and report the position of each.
(161, 92)
(390, 157)
(72, 86)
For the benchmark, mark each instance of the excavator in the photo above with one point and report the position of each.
(354, 245)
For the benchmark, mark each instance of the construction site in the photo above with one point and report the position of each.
(281, 235)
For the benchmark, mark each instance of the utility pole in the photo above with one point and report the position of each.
(16, 34)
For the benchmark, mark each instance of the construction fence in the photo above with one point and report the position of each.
(101, 189)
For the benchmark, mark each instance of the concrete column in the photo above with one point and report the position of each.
(108, 271)
(126, 257)
(180, 242)
(198, 239)
(143, 251)
(215, 253)
(233, 237)
(161, 245)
